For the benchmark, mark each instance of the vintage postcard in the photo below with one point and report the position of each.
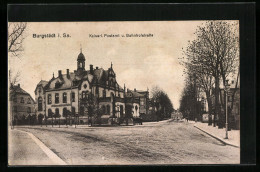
(124, 93)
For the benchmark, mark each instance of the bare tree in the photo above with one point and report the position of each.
(13, 80)
(215, 51)
(16, 37)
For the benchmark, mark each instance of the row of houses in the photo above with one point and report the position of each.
(75, 92)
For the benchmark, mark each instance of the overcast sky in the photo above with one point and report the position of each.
(138, 62)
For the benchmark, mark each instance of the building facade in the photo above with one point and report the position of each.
(22, 106)
(79, 91)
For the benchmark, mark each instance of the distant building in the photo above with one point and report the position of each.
(73, 92)
(22, 106)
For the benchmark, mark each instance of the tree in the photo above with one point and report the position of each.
(16, 36)
(215, 50)
(188, 102)
(162, 103)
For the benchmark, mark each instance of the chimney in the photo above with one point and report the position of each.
(68, 73)
(96, 67)
(135, 89)
(91, 69)
(19, 85)
(59, 73)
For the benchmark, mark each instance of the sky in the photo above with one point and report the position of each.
(139, 62)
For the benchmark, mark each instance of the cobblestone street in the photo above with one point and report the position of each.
(165, 142)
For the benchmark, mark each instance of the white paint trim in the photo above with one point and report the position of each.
(57, 160)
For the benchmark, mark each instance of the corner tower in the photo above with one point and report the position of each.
(81, 62)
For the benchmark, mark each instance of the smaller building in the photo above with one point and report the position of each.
(22, 106)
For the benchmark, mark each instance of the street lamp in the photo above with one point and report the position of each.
(227, 87)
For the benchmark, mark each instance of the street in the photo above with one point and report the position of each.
(164, 142)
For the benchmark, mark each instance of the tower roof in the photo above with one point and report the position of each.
(81, 56)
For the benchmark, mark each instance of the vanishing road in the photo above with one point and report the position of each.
(165, 142)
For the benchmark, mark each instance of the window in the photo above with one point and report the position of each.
(64, 112)
(73, 97)
(49, 113)
(40, 90)
(29, 101)
(28, 109)
(15, 99)
(40, 104)
(104, 93)
(56, 98)
(142, 102)
(230, 98)
(49, 99)
(22, 100)
(121, 110)
(64, 97)
(108, 109)
(103, 109)
(73, 111)
(97, 91)
(57, 112)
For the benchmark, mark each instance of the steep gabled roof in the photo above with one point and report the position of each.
(16, 89)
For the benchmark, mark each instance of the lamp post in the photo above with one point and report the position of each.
(227, 87)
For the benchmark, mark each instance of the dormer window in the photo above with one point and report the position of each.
(57, 84)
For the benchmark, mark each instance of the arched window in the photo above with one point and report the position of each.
(49, 113)
(64, 112)
(73, 97)
(136, 108)
(57, 98)
(57, 112)
(108, 109)
(64, 97)
(49, 99)
(40, 104)
(83, 94)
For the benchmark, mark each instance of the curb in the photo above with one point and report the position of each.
(225, 143)
(45, 149)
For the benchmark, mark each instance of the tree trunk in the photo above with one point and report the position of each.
(216, 98)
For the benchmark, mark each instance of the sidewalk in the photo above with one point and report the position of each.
(233, 135)
(24, 150)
